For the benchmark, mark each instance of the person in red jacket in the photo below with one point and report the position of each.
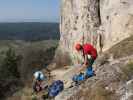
(90, 54)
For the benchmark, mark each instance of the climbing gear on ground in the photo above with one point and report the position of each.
(82, 76)
(55, 88)
(89, 72)
(78, 78)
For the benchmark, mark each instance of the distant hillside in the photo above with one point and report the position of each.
(31, 57)
(29, 31)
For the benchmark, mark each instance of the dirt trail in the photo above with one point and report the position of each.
(65, 74)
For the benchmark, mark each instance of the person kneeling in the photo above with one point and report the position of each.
(89, 54)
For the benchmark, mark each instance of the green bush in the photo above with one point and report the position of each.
(9, 65)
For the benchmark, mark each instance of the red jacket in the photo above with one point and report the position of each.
(89, 49)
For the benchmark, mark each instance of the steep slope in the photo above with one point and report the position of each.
(113, 81)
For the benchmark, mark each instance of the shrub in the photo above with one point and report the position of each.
(127, 71)
(9, 65)
(123, 48)
(35, 59)
(9, 74)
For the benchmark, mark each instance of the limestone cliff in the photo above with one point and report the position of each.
(117, 20)
(100, 22)
(79, 20)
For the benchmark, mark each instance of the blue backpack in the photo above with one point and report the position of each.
(82, 76)
(55, 88)
(79, 77)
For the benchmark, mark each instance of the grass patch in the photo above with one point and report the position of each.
(97, 92)
(127, 71)
(123, 48)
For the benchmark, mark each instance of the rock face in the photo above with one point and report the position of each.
(129, 91)
(79, 20)
(117, 20)
(100, 22)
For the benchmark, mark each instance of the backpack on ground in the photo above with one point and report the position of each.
(55, 88)
(77, 78)
(82, 76)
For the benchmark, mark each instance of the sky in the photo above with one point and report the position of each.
(29, 10)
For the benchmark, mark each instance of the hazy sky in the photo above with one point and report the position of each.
(29, 10)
